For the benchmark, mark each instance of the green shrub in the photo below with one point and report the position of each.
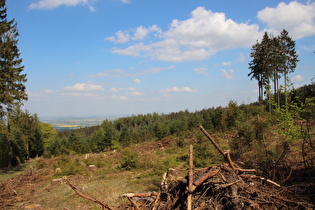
(129, 159)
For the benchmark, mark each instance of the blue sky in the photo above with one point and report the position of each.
(101, 57)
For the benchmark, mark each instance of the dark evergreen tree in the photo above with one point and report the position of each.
(260, 64)
(13, 90)
(288, 58)
(272, 57)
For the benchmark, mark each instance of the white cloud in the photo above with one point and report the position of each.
(33, 94)
(136, 93)
(141, 33)
(50, 91)
(228, 74)
(114, 90)
(123, 73)
(125, 1)
(50, 4)
(109, 73)
(241, 58)
(295, 17)
(129, 90)
(297, 78)
(119, 97)
(176, 89)
(120, 37)
(84, 87)
(196, 38)
(201, 70)
(137, 81)
(226, 63)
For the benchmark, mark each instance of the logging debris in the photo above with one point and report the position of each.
(226, 186)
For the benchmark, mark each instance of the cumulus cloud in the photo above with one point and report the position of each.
(50, 4)
(241, 58)
(227, 74)
(119, 97)
(201, 70)
(109, 73)
(84, 87)
(114, 90)
(295, 17)
(136, 93)
(297, 78)
(140, 33)
(137, 81)
(195, 38)
(228, 63)
(120, 37)
(129, 91)
(123, 73)
(176, 89)
(125, 1)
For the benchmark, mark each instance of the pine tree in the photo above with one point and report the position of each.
(13, 90)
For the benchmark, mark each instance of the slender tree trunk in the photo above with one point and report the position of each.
(278, 92)
(275, 87)
(285, 91)
(9, 152)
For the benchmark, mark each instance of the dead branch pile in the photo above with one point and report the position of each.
(219, 187)
(226, 186)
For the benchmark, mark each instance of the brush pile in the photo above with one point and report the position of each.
(223, 189)
(226, 186)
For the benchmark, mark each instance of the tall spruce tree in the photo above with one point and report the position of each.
(288, 57)
(272, 57)
(12, 79)
(260, 65)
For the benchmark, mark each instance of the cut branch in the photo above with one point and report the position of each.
(226, 155)
(87, 197)
(206, 176)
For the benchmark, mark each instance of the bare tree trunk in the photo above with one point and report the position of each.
(285, 91)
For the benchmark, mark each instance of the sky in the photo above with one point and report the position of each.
(113, 57)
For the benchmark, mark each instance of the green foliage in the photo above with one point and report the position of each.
(49, 134)
(129, 159)
(70, 167)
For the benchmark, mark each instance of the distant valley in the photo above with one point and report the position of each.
(75, 122)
